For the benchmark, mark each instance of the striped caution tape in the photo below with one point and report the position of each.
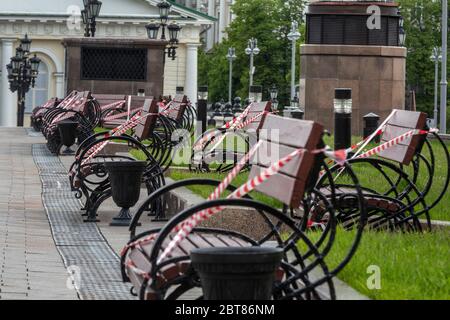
(397, 140)
(112, 105)
(229, 125)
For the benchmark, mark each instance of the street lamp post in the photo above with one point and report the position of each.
(293, 36)
(273, 91)
(173, 29)
(89, 15)
(436, 57)
(231, 56)
(22, 73)
(252, 50)
(443, 124)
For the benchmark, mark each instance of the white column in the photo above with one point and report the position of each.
(222, 19)
(211, 31)
(190, 86)
(59, 77)
(8, 107)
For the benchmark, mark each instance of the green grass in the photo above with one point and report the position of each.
(367, 175)
(205, 191)
(412, 266)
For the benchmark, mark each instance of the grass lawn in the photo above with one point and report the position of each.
(367, 176)
(205, 191)
(412, 266)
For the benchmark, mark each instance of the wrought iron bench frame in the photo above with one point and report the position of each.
(248, 133)
(87, 115)
(97, 191)
(403, 201)
(153, 280)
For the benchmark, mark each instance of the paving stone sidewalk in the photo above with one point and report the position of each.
(30, 265)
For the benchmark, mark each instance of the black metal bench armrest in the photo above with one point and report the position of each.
(165, 189)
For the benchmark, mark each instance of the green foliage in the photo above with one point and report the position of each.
(267, 20)
(423, 32)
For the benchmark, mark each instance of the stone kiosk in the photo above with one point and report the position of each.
(342, 52)
(115, 66)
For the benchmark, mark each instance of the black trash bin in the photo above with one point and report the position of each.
(68, 132)
(125, 178)
(245, 273)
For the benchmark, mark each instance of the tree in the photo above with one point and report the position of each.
(267, 20)
(423, 32)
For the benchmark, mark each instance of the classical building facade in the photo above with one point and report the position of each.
(220, 10)
(48, 22)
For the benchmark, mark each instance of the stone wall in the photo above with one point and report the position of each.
(153, 85)
(375, 74)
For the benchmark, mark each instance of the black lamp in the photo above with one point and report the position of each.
(273, 91)
(174, 29)
(15, 62)
(295, 102)
(93, 8)
(152, 30)
(202, 93)
(84, 16)
(25, 43)
(35, 61)
(164, 9)
(20, 52)
(9, 68)
(401, 31)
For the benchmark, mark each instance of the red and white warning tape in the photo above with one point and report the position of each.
(112, 105)
(394, 141)
(120, 115)
(233, 124)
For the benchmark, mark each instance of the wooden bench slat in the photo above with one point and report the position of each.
(282, 187)
(400, 123)
(289, 132)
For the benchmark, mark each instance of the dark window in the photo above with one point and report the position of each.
(333, 29)
(392, 32)
(350, 30)
(114, 64)
(314, 29)
(378, 37)
(354, 32)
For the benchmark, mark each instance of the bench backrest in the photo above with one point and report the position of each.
(136, 101)
(401, 122)
(255, 109)
(279, 137)
(177, 107)
(145, 127)
(105, 99)
(81, 101)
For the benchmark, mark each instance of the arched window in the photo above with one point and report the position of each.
(39, 94)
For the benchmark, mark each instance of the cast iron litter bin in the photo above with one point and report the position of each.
(230, 273)
(125, 178)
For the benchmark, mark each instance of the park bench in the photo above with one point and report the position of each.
(78, 107)
(39, 111)
(405, 182)
(156, 273)
(211, 147)
(113, 117)
(88, 178)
